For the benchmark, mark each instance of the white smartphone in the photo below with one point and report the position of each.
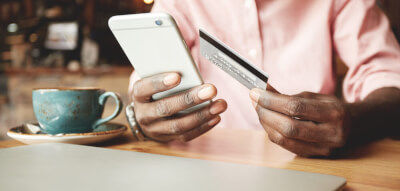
(153, 44)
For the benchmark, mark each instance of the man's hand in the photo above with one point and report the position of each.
(157, 119)
(307, 124)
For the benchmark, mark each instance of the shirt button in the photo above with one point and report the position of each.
(248, 3)
(252, 52)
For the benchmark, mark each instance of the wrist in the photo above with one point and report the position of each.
(376, 116)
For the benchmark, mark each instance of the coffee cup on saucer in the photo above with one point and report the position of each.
(72, 110)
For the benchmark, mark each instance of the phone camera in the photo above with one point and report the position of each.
(159, 22)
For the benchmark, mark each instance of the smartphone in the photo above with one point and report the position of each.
(153, 44)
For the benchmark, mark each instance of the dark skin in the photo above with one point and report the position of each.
(307, 124)
(311, 124)
(158, 119)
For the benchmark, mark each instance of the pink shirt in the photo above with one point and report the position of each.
(294, 42)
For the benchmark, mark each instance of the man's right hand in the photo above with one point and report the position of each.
(157, 119)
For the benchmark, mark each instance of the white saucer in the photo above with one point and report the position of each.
(30, 134)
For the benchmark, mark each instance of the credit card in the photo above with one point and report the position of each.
(231, 62)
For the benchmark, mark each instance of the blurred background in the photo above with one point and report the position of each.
(59, 43)
(56, 43)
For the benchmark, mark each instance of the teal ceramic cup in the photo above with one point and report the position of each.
(72, 110)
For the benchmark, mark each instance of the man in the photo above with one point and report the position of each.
(294, 42)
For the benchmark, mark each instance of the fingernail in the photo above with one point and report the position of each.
(254, 95)
(170, 79)
(217, 108)
(254, 104)
(206, 93)
(213, 121)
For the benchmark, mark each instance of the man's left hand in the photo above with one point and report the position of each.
(307, 124)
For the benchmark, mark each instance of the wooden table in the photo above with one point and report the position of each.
(375, 166)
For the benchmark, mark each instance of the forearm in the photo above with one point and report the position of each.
(378, 115)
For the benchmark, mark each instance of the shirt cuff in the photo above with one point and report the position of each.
(379, 80)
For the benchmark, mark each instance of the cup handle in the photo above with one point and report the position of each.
(102, 100)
